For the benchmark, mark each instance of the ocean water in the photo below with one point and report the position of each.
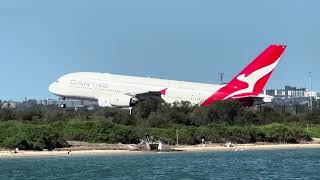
(277, 164)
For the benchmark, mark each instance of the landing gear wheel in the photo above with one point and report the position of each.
(63, 103)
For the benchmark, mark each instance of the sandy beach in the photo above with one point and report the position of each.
(214, 147)
(7, 153)
(76, 151)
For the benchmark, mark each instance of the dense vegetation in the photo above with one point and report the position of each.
(46, 127)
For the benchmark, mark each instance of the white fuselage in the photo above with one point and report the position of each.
(87, 85)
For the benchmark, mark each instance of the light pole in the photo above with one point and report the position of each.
(310, 78)
(221, 74)
(177, 134)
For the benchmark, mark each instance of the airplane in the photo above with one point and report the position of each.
(111, 90)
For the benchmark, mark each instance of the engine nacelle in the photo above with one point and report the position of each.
(118, 101)
(104, 102)
(266, 98)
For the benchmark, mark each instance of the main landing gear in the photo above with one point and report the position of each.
(63, 102)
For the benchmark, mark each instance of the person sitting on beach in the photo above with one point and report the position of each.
(203, 142)
(228, 144)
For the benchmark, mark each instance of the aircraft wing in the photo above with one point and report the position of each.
(249, 100)
(151, 95)
(247, 96)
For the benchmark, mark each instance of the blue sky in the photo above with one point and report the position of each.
(184, 40)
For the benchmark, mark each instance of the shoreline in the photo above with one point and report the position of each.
(64, 153)
(176, 149)
(246, 147)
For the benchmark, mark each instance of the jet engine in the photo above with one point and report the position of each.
(118, 101)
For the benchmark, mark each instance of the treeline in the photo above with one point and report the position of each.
(54, 135)
(30, 136)
(47, 127)
(153, 114)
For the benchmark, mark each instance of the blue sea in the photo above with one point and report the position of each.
(276, 164)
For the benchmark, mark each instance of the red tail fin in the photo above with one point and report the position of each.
(252, 79)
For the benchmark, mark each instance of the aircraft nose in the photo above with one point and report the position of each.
(52, 88)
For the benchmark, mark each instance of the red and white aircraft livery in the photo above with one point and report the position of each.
(125, 91)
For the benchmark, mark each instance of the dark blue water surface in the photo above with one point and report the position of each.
(279, 164)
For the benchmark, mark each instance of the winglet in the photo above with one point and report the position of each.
(163, 91)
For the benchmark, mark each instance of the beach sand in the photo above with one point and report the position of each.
(215, 147)
(7, 153)
(76, 151)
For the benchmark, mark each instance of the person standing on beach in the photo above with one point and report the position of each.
(160, 145)
(147, 137)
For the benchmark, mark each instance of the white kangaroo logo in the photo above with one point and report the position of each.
(252, 79)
